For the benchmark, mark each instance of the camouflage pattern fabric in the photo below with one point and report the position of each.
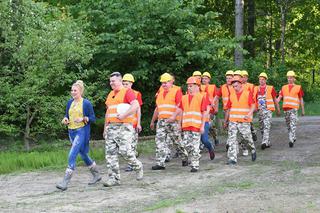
(265, 117)
(167, 133)
(191, 142)
(291, 117)
(135, 142)
(245, 132)
(118, 139)
(213, 133)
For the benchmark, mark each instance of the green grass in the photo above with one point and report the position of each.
(312, 108)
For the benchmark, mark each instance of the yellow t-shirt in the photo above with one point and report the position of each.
(75, 111)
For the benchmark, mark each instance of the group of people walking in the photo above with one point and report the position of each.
(182, 120)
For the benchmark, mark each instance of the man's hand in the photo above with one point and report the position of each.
(65, 121)
(139, 128)
(171, 119)
(225, 124)
(121, 116)
(201, 130)
(152, 125)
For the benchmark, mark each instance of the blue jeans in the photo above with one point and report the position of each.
(79, 139)
(205, 137)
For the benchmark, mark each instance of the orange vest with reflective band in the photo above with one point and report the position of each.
(192, 116)
(211, 91)
(225, 93)
(135, 116)
(269, 99)
(239, 108)
(113, 100)
(167, 105)
(291, 98)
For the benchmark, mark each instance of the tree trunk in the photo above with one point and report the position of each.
(26, 137)
(270, 55)
(238, 55)
(283, 31)
(251, 23)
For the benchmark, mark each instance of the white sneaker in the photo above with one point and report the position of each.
(245, 152)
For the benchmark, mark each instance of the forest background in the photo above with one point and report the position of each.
(45, 46)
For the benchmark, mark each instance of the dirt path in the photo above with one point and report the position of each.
(281, 180)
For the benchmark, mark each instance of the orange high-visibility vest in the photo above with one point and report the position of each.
(113, 100)
(167, 105)
(211, 91)
(248, 86)
(225, 93)
(207, 118)
(291, 98)
(269, 99)
(192, 115)
(239, 108)
(135, 115)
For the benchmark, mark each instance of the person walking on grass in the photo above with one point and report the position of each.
(121, 105)
(265, 99)
(239, 114)
(127, 82)
(292, 95)
(79, 115)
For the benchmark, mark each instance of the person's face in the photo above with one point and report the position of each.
(229, 79)
(192, 88)
(115, 82)
(75, 92)
(167, 85)
(262, 81)
(127, 84)
(291, 79)
(244, 79)
(205, 80)
(198, 77)
(237, 86)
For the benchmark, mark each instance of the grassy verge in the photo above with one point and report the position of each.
(54, 156)
(312, 108)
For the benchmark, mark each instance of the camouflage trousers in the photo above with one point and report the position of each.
(167, 133)
(191, 142)
(135, 142)
(291, 117)
(265, 117)
(213, 128)
(242, 140)
(118, 139)
(245, 132)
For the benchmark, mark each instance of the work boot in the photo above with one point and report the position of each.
(227, 147)
(66, 180)
(129, 169)
(185, 163)
(211, 154)
(263, 146)
(110, 183)
(254, 136)
(216, 142)
(139, 173)
(193, 170)
(95, 173)
(157, 167)
(290, 144)
(231, 162)
(167, 159)
(253, 155)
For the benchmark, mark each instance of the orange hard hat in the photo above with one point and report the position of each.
(193, 80)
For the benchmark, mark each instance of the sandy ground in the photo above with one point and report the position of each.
(282, 179)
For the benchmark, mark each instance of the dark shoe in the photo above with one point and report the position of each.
(193, 170)
(176, 155)
(157, 167)
(231, 162)
(167, 160)
(185, 163)
(212, 155)
(216, 142)
(254, 156)
(110, 183)
(254, 137)
(66, 180)
(268, 146)
(290, 144)
(129, 169)
(227, 147)
(263, 146)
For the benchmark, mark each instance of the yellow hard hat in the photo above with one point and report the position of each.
(165, 77)
(291, 73)
(244, 72)
(193, 80)
(128, 77)
(229, 72)
(263, 74)
(237, 72)
(206, 74)
(196, 73)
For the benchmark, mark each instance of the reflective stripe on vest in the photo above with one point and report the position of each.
(192, 116)
(113, 100)
(239, 108)
(167, 105)
(291, 98)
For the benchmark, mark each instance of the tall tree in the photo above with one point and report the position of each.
(238, 54)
